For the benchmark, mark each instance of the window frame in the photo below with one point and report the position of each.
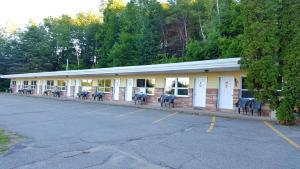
(104, 85)
(25, 86)
(13, 83)
(176, 88)
(50, 85)
(89, 87)
(33, 86)
(241, 87)
(144, 89)
(61, 87)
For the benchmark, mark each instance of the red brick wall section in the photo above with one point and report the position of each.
(14, 88)
(179, 102)
(72, 89)
(236, 95)
(122, 93)
(107, 97)
(185, 101)
(211, 99)
(152, 99)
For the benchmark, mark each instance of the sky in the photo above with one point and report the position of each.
(17, 13)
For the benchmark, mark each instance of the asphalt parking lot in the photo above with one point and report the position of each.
(74, 135)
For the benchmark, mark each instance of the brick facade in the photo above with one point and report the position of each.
(122, 94)
(211, 99)
(236, 96)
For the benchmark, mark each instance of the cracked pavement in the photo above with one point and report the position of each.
(74, 135)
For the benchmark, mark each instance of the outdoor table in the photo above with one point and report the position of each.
(28, 91)
(167, 99)
(83, 95)
(21, 91)
(56, 93)
(140, 97)
(47, 92)
(99, 95)
(249, 105)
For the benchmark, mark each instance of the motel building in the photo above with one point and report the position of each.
(212, 85)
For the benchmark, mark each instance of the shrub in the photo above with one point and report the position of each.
(285, 113)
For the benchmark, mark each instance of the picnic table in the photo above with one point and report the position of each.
(167, 99)
(28, 91)
(98, 95)
(21, 91)
(83, 95)
(249, 105)
(56, 93)
(47, 92)
(140, 98)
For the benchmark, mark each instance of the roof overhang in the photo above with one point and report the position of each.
(231, 64)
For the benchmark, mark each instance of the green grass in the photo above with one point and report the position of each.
(4, 142)
(3, 138)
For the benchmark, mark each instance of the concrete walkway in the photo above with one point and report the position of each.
(234, 114)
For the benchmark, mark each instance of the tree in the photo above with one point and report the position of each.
(37, 49)
(86, 32)
(290, 53)
(111, 29)
(61, 30)
(261, 49)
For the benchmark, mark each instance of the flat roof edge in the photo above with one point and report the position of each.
(217, 64)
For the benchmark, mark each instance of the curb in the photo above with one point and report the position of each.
(181, 111)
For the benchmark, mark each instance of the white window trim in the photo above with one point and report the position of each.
(61, 88)
(98, 87)
(25, 86)
(87, 86)
(145, 88)
(13, 83)
(49, 87)
(33, 86)
(176, 87)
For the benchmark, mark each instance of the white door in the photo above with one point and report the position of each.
(116, 89)
(68, 88)
(38, 87)
(128, 93)
(226, 92)
(76, 90)
(200, 92)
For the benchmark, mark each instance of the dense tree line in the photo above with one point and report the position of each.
(140, 32)
(264, 33)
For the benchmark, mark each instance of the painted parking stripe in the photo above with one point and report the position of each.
(164, 118)
(280, 134)
(129, 113)
(212, 124)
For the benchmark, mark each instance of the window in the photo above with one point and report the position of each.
(25, 84)
(145, 86)
(177, 86)
(61, 85)
(245, 93)
(13, 83)
(86, 85)
(50, 84)
(104, 86)
(33, 84)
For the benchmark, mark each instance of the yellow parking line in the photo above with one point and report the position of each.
(212, 124)
(125, 114)
(291, 142)
(164, 118)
